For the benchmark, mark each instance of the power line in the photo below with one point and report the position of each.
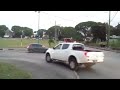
(60, 17)
(114, 16)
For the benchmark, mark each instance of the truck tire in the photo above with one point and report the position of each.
(88, 65)
(48, 58)
(73, 64)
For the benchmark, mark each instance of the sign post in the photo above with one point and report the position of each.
(21, 38)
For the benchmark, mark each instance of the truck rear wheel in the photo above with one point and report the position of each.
(73, 64)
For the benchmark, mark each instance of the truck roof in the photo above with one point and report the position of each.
(71, 43)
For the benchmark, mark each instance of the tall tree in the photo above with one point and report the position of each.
(51, 31)
(99, 32)
(18, 31)
(63, 32)
(3, 28)
(84, 27)
(117, 30)
(41, 31)
(27, 31)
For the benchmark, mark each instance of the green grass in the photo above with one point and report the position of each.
(8, 71)
(16, 42)
(115, 43)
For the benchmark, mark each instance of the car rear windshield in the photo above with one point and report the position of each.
(78, 47)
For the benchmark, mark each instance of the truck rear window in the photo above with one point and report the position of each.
(78, 47)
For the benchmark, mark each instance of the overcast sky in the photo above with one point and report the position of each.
(48, 18)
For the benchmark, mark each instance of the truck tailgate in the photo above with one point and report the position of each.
(97, 56)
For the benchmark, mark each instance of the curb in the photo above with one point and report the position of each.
(6, 49)
(10, 49)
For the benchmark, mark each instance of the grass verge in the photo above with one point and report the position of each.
(16, 42)
(9, 71)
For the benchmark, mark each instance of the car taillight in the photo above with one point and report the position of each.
(27, 46)
(86, 54)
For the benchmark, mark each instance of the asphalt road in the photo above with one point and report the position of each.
(35, 63)
(109, 69)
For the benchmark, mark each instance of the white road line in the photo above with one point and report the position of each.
(77, 76)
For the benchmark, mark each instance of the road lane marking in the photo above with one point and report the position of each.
(76, 74)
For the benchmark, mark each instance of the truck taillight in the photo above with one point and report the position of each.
(86, 54)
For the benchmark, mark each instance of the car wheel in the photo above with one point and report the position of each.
(30, 51)
(44, 51)
(48, 58)
(73, 64)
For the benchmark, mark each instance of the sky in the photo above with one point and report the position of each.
(48, 18)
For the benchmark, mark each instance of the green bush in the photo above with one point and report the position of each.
(50, 41)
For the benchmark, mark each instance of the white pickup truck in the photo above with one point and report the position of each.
(74, 54)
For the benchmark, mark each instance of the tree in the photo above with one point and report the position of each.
(40, 32)
(51, 31)
(63, 32)
(116, 30)
(18, 31)
(69, 32)
(3, 28)
(27, 31)
(85, 28)
(99, 32)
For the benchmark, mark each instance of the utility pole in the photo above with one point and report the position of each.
(55, 32)
(38, 25)
(108, 35)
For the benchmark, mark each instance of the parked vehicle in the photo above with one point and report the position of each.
(74, 54)
(36, 48)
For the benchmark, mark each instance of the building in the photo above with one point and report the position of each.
(8, 34)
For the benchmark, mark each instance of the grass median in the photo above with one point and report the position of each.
(9, 71)
(16, 42)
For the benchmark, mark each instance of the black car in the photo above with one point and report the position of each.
(36, 48)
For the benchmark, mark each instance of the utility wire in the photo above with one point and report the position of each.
(59, 17)
(114, 16)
